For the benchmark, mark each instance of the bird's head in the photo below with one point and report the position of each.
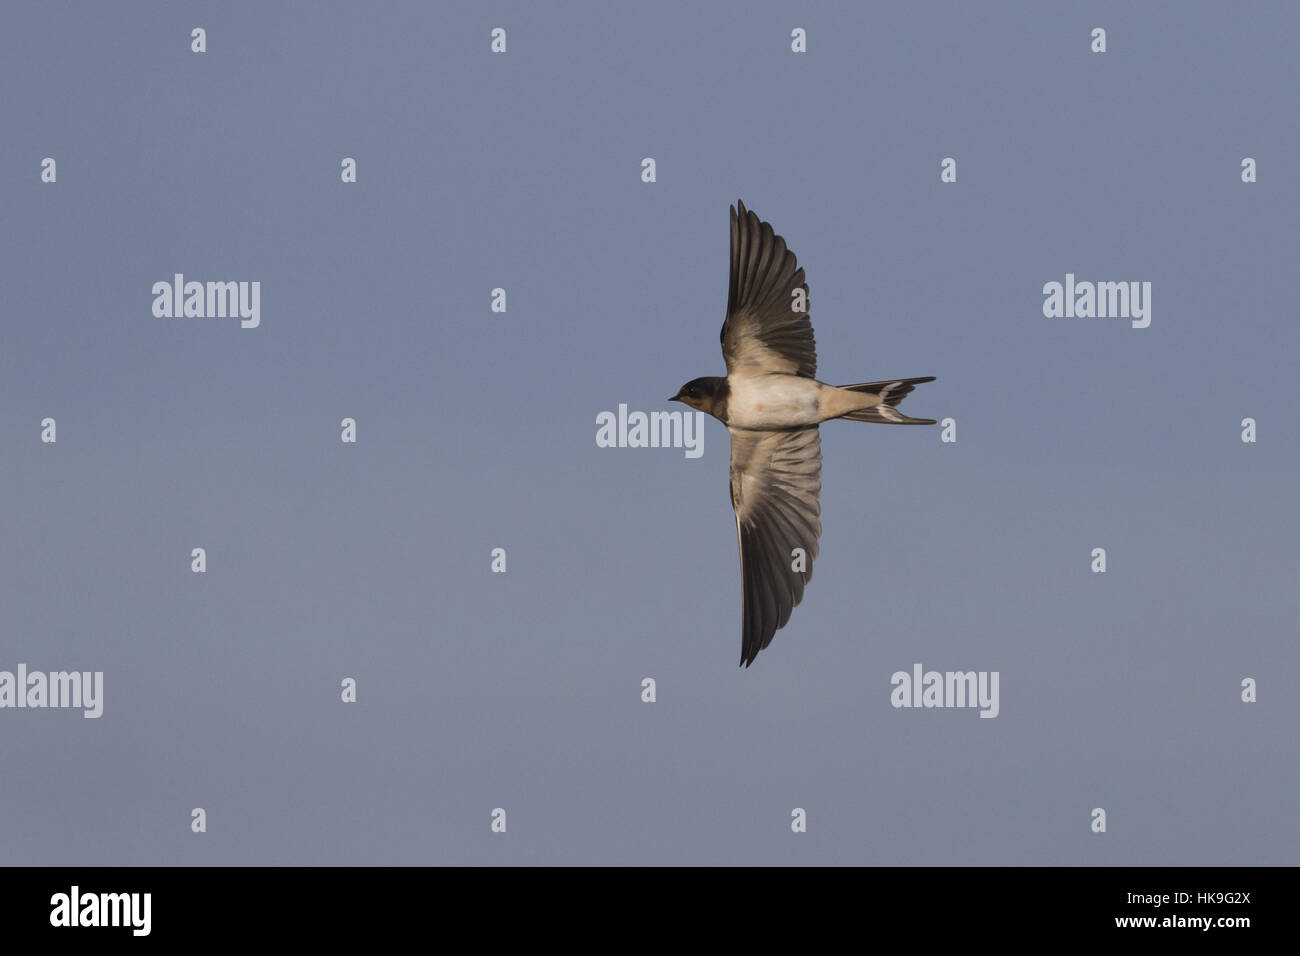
(698, 393)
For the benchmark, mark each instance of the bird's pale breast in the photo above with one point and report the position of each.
(772, 401)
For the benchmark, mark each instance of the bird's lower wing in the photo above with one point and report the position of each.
(775, 484)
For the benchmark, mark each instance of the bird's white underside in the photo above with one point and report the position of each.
(787, 401)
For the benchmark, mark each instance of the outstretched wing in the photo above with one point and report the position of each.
(765, 330)
(776, 477)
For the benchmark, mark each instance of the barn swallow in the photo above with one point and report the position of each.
(772, 404)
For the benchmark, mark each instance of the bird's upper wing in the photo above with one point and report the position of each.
(764, 331)
(776, 477)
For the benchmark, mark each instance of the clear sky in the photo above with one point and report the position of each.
(476, 430)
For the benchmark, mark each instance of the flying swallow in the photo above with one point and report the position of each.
(772, 403)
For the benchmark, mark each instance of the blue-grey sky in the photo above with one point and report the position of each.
(476, 430)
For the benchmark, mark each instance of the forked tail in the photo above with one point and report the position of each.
(891, 392)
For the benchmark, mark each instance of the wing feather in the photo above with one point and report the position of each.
(775, 485)
(762, 331)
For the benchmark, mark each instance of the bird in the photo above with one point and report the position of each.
(772, 404)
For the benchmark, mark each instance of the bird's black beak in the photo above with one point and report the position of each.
(675, 398)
